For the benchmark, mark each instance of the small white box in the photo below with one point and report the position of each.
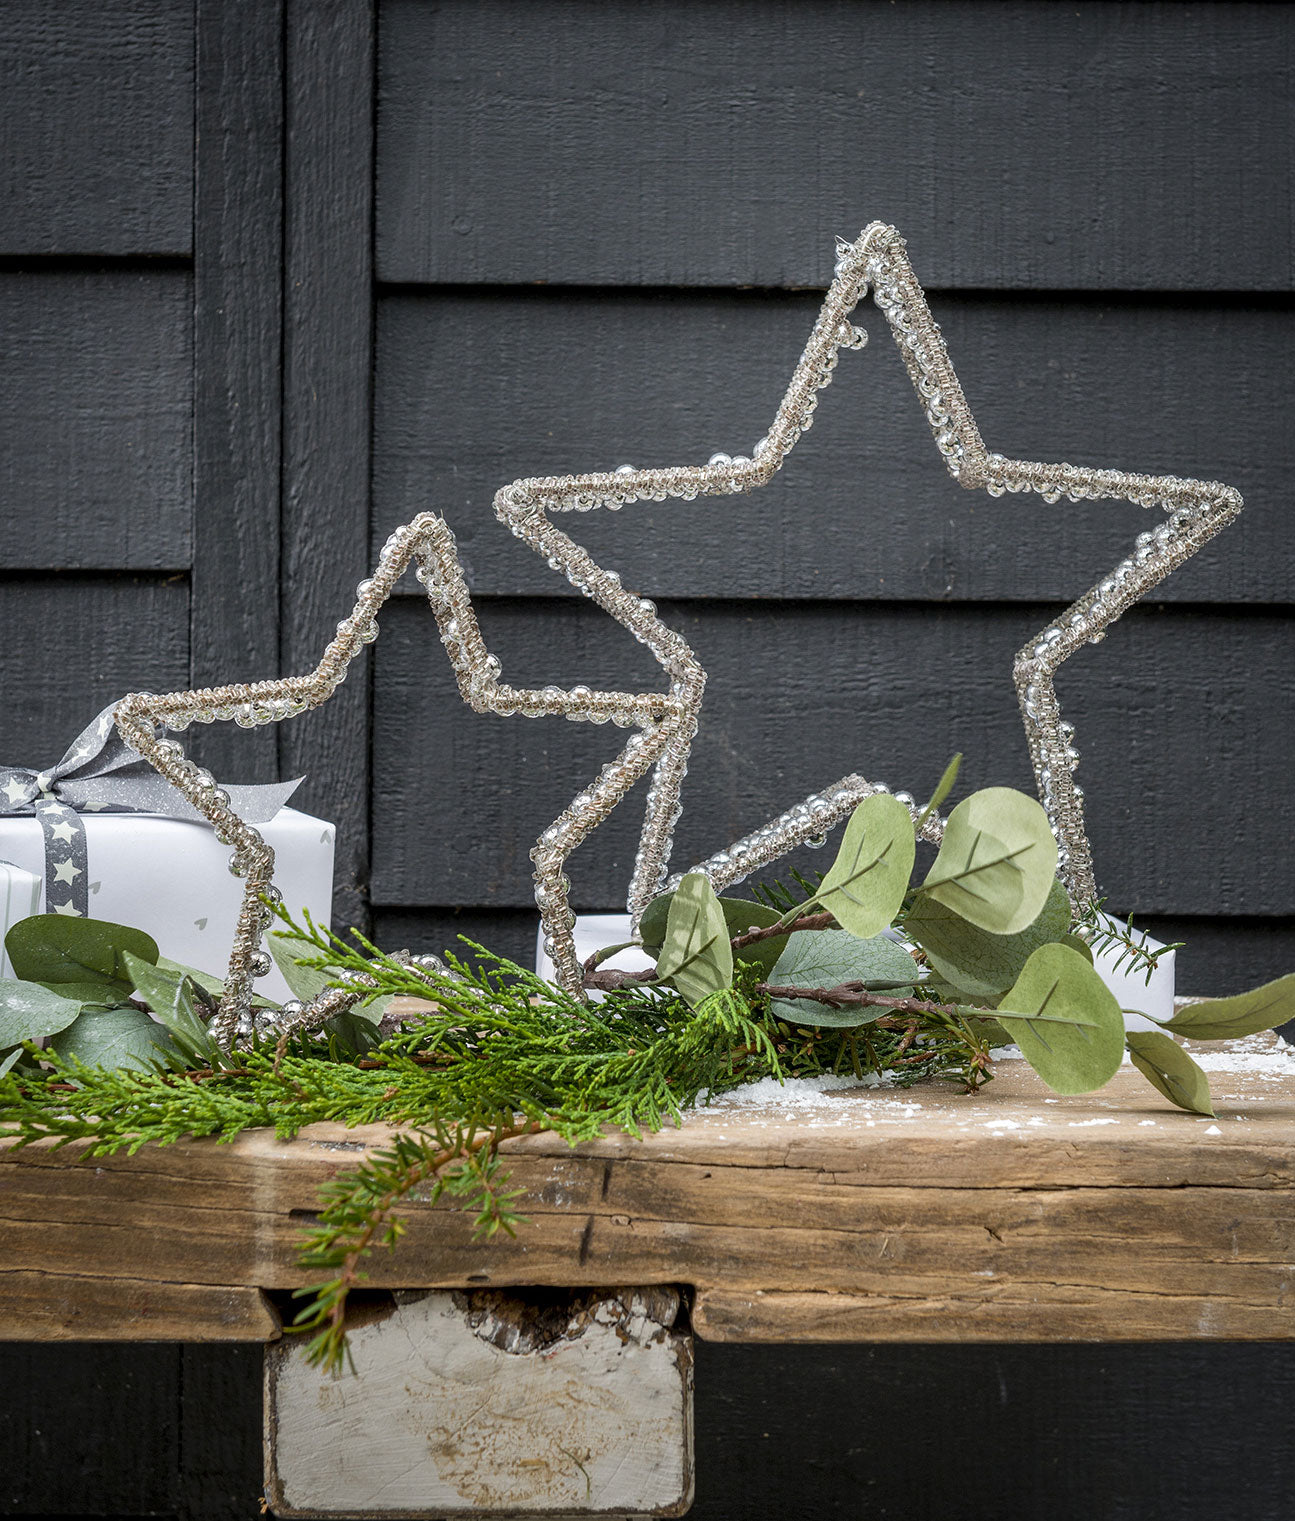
(20, 895)
(593, 932)
(1146, 1005)
(171, 879)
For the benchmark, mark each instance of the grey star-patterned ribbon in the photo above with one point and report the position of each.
(101, 774)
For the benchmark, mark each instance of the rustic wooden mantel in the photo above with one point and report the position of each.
(863, 1215)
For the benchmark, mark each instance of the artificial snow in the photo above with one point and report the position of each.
(1257, 1054)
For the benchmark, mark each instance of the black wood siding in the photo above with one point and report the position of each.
(277, 274)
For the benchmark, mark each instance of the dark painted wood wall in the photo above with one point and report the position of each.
(277, 274)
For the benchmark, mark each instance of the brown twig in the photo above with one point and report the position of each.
(805, 922)
(609, 980)
(857, 993)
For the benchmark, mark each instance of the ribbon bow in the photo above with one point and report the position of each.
(100, 773)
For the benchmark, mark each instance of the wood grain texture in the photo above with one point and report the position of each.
(1082, 146)
(49, 1307)
(97, 120)
(96, 420)
(1182, 717)
(327, 365)
(475, 389)
(238, 336)
(74, 643)
(1014, 1214)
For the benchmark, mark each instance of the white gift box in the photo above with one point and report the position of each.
(1146, 1005)
(20, 895)
(171, 879)
(592, 932)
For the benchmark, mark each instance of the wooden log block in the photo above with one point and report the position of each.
(48, 1306)
(464, 1404)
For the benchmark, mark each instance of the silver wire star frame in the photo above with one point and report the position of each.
(666, 722)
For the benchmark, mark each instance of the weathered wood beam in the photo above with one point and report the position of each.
(870, 1215)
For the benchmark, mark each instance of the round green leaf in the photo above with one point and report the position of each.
(696, 956)
(115, 1038)
(29, 1011)
(1075, 1039)
(974, 959)
(865, 888)
(740, 915)
(825, 959)
(58, 948)
(1166, 1066)
(997, 861)
(173, 999)
(1262, 1008)
(652, 924)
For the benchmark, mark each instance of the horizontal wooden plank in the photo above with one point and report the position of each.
(97, 121)
(477, 389)
(1016, 1313)
(1183, 717)
(1016, 145)
(46, 1306)
(1043, 1217)
(96, 420)
(73, 643)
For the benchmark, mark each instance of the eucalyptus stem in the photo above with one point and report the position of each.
(858, 993)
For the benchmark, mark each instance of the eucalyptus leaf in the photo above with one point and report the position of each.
(1079, 1043)
(351, 1033)
(209, 984)
(58, 948)
(1260, 1009)
(29, 1011)
(1166, 1066)
(652, 924)
(213, 986)
(942, 788)
(740, 914)
(825, 959)
(1078, 943)
(8, 1063)
(996, 862)
(308, 982)
(865, 887)
(695, 955)
(935, 987)
(115, 1038)
(972, 958)
(174, 1000)
(90, 995)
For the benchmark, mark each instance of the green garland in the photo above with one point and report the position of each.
(792, 985)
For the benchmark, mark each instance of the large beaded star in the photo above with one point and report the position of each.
(666, 722)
